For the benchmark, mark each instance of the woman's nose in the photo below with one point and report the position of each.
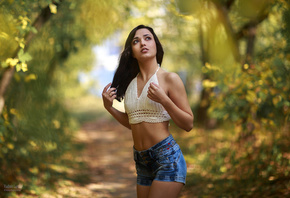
(142, 42)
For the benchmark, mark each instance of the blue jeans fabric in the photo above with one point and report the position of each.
(163, 162)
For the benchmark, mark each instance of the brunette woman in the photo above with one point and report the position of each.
(152, 96)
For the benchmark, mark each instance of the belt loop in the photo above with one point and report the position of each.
(151, 153)
(136, 155)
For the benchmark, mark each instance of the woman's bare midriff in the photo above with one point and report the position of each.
(146, 135)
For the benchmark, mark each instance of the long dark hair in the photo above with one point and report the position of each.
(128, 66)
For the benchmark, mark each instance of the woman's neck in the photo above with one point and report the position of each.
(147, 69)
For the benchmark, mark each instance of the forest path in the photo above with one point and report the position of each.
(108, 155)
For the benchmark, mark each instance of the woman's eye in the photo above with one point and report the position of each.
(135, 41)
(148, 38)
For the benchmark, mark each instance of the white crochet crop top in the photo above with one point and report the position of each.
(143, 109)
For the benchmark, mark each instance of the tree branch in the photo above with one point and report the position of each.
(42, 18)
(244, 30)
(223, 14)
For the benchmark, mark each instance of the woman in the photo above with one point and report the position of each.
(152, 96)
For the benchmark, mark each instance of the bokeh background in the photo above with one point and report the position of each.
(232, 55)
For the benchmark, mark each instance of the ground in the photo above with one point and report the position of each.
(105, 169)
(108, 154)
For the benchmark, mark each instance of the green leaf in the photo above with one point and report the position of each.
(34, 30)
(24, 57)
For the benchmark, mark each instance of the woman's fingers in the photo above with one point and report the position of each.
(152, 88)
(106, 88)
(151, 91)
(154, 85)
(109, 92)
(156, 93)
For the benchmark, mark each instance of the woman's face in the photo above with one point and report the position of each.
(143, 45)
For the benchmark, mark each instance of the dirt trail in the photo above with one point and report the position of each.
(109, 156)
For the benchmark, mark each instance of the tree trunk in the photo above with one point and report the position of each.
(5, 80)
(203, 118)
(250, 44)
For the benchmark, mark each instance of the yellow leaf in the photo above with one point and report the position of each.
(12, 61)
(223, 169)
(13, 111)
(32, 143)
(24, 24)
(10, 146)
(53, 8)
(24, 67)
(18, 67)
(22, 45)
(251, 96)
(272, 123)
(30, 77)
(246, 66)
(208, 84)
(207, 65)
(50, 146)
(33, 170)
(56, 124)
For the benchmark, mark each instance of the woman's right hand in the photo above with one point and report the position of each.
(108, 95)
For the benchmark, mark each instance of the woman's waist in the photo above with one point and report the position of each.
(165, 147)
(146, 135)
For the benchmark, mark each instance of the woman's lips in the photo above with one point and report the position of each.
(144, 50)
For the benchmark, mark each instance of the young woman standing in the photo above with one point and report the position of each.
(152, 96)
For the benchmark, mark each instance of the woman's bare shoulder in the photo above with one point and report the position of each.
(169, 77)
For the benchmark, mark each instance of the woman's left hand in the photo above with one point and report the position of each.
(156, 93)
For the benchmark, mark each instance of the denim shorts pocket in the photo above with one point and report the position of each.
(167, 157)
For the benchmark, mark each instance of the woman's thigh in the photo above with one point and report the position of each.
(160, 189)
(143, 191)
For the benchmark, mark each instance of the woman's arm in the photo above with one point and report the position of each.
(175, 103)
(108, 96)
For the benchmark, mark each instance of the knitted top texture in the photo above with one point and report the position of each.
(142, 109)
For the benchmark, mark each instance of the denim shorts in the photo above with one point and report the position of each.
(162, 162)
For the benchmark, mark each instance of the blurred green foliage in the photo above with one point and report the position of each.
(36, 129)
(220, 165)
(248, 154)
(248, 91)
(256, 95)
